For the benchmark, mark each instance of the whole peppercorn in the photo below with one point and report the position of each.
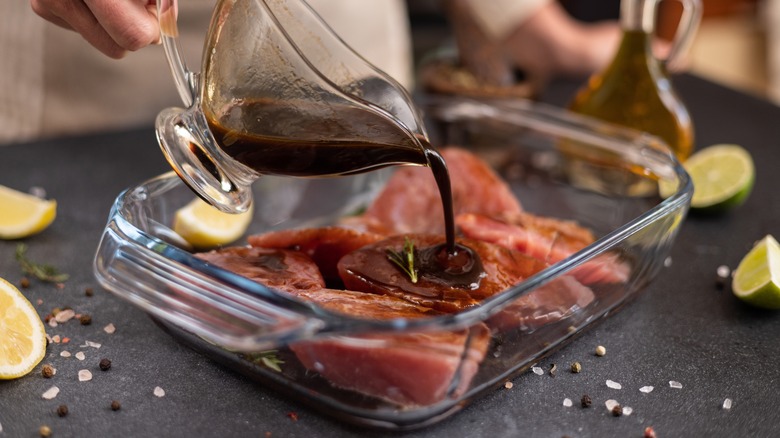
(89, 292)
(586, 401)
(115, 406)
(47, 371)
(62, 410)
(617, 410)
(85, 319)
(24, 282)
(105, 364)
(45, 431)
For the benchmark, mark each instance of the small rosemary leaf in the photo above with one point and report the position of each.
(404, 259)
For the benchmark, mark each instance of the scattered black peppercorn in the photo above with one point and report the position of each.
(47, 371)
(105, 364)
(89, 292)
(24, 282)
(617, 410)
(115, 406)
(586, 401)
(62, 410)
(85, 319)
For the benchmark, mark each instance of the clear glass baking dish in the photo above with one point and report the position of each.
(558, 164)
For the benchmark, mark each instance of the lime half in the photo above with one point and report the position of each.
(757, 278)
(722, 177)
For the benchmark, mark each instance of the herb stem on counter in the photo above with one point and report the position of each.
(40, 271)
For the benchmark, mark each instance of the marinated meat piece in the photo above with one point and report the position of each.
(418, 368)
(285, 270)
(547, 239)
(370, 270)
(547, 304)
(325, 246)
(411, 203)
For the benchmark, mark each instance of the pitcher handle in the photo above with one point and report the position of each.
(686, 30)
(186, 81)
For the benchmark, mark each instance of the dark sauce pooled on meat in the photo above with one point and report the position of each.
(461, 269)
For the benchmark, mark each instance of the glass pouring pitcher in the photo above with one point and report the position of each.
(635, 90)
(279, 93)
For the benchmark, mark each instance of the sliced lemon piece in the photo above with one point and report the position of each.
(722, 177)
(757, 278)
(203, 226)
(22, 336)
(23, 215)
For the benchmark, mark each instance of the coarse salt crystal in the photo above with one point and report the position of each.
(614, 385)
(668, 262)
(723, 271)
(110, 329)
(627, 410)
(508, 385)
(537, 370)
(80, 355)
(85, 375)
(567, 402)
(610, 404)
(676, 385)
(65, 353)
(51, 393)
(90, 344)
(646, 389)
(56, 339)
(1, 428)
(65, 315)
(53, 323)
(159, 392)
(727, 403)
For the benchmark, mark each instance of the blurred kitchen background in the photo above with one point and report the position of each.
(738, 43)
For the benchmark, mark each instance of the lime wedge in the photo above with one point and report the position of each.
(722, 177)
(757, 278)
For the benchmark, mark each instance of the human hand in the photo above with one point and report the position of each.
(112, 26)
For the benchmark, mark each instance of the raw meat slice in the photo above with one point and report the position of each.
(324, 245)
(411, 203)
(547, 239)
(416, 368)
(286, 270)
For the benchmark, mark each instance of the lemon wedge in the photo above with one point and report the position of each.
(203, 226)
(22, 336)
(23, 215)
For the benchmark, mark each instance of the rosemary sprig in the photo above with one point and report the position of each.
(40, 271)
(267, 358)
(404, 259)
